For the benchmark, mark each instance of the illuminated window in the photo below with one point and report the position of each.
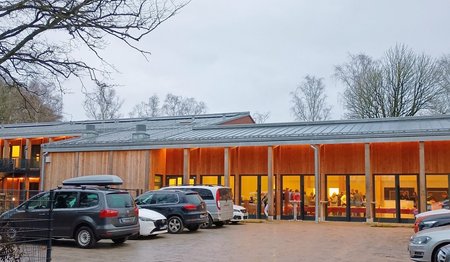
(15, 152)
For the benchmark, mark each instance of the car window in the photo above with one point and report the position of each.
(225, 194)
(119, 200)
(65, 199)
(204, 193)
(39, 202)
(170, 198)
(193, 199)
(144, 199)
(88, 199)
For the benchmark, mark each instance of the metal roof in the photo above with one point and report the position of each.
(433, 128)
(77, 128)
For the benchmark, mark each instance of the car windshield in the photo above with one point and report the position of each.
(225, 193)
(119, 200)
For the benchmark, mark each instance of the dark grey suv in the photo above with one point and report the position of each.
(183, 209)
(84, 209)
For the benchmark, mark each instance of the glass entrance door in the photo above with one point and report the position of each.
(254, 194)
(396, 197)
(346, 197)
(297, 197)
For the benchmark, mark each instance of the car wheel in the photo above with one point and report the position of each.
(119, 240)
(434, 256)
(175, 225)
(219, 224)
(193, 227)
(207, 224)
(85, 237)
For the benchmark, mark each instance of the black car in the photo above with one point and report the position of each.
(183, 209)
(84, 208)
(435, 221)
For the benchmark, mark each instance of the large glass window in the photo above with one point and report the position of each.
(385, 204)
(357, 196)
(337, 196)
(437, 190)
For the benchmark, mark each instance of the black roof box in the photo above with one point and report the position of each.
(94, 180)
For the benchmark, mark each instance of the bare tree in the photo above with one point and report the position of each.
(103, 103)
(261, 118)
(149, 109)
(441, 104)
(308, 100)
(401, 84)
(38, 103)
(27, 51)
(177, 105)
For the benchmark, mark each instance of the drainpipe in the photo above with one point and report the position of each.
(317, 181)
(41, 182)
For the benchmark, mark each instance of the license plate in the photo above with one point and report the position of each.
(127, 220)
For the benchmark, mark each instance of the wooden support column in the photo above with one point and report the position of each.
(226, 168)
(186, 171)
(237, 179)
(28, 147)
(317, 180)
(369, 186)
(6, 149)
(278, 182)
(422, 178)
(147, 170)
(270, 180)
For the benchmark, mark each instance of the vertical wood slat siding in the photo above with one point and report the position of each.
(130, 166)
(253, 160)
(61, 167)
(174, 161)
(395, 158)
(342, 159)
(210, 161)
(158, 161)
(94, 163)
(437, 157)
(296, 160)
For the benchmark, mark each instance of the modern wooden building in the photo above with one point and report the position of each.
(350, 170)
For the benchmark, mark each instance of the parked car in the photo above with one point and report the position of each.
(434, 221)
(423, 215)
(218, 199)
(151, 223)
(183, 209)
(240, 214)
(425, 245)
(84, 208)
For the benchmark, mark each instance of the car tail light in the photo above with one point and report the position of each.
(218, 199)
(108, 213)
(136, 211)
(190, 207)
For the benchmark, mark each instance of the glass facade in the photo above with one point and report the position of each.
(437, 188)
(253, 192)
(297, 197)
(346, 197)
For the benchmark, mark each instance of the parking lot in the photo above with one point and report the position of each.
(269, 241)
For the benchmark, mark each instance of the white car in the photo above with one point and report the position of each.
(239, 214)
(425, 245)
(151, 223)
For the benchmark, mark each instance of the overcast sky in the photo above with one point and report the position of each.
(248, 55)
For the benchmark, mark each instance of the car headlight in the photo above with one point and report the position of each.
(420, 240)
(146, 219)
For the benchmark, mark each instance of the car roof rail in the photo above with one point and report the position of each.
(93, 180)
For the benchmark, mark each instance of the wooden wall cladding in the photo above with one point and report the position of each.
(342, 159)
(395, 158)
(294, 159)
(94, 163)
(61, 167)
(207, 161)
(253, 160)
(158, 161)
(174, 161)
(130, 166)
(437, 157)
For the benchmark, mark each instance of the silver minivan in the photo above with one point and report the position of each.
(218, 199)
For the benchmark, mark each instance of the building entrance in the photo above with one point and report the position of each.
(297, 197)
